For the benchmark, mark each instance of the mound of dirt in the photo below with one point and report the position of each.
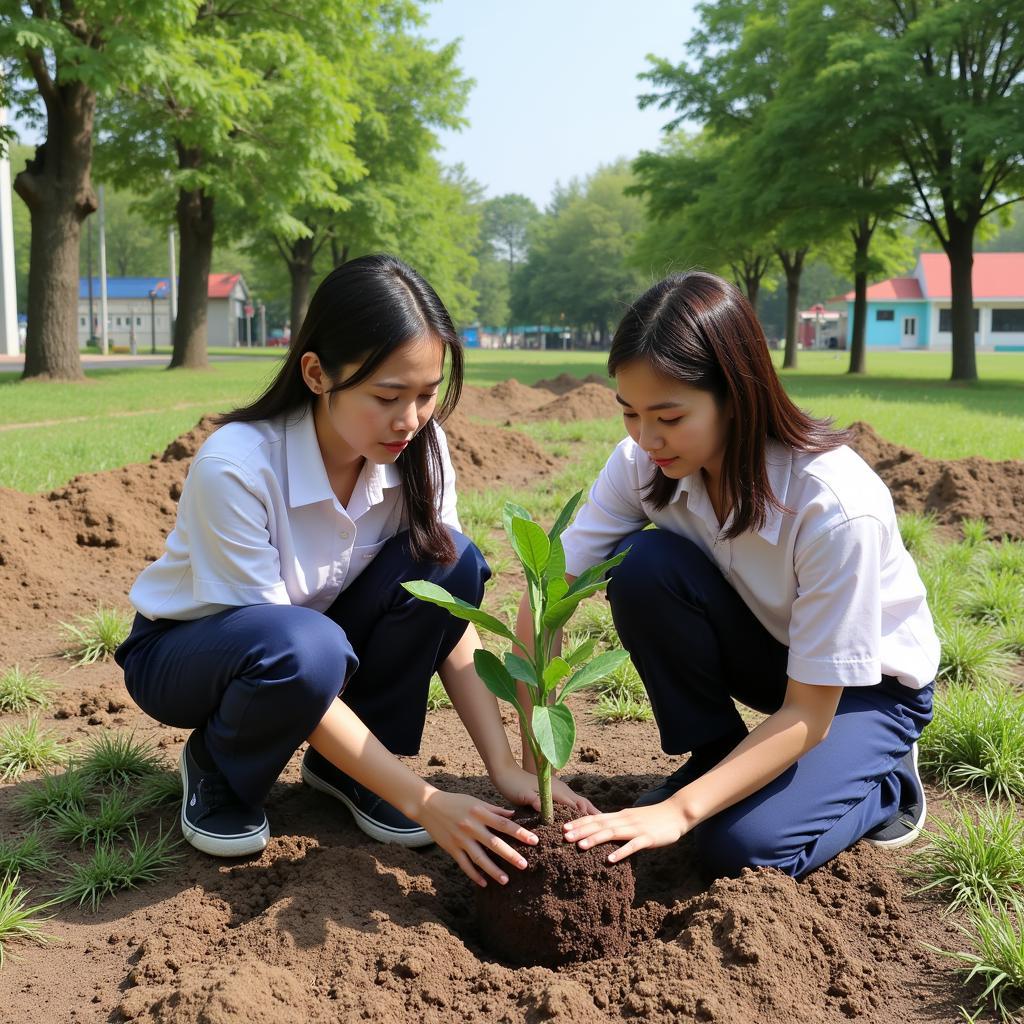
(586, 402)
(507, 400)
(566, 382)
(486, 456)
(951, 490)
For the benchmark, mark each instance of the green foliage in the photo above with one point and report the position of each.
(918, 532)
(95, 637)
(17, 856)
(622, 706)
(20, 690)
(113, 817)
(116, 759)
(53, 794)
(971, 653)
(26, 747)
(546, 722)
(437, 696)
(18, 920)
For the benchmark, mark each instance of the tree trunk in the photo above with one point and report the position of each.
(961, 265)
(57, 188)
(300, 268)
(195, 230)
(858, 335)
(793, 264)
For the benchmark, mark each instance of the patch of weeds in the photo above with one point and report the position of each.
(25, 747)
(500, 564)
(995, 595)
(1006, 556)
(595, 620)
(918, 532)
(111, 869)
(1013, 635)
(20, 690)
(996, 959)
(53, 793)
(974, 861)
(437, 696)
(976, 738)
(975, 531)
(95, 637)
(622, 707)
(113, 817)
(625, 681)
(18, 920)
(116, 759)
(17, 856)
(971, 652)
(162, 788)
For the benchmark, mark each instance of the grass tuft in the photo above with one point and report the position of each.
(972, 653)
(113, 817)
(18, 921)
(53, 793)
(975, 531)
(95, 637)
(621, 707)
(918, 532)
(17, 856)
(20, 691)
(437, 696)
(594, 619)
(25, 747)
(162, 788)
(116, 759)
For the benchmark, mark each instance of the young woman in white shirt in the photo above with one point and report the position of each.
(276, 614)
(776, 578)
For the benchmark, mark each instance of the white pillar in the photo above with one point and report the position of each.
(8, 288)
(104, 341)
(174, 281)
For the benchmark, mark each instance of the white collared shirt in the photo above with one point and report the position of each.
(258, 523)
(832, 581)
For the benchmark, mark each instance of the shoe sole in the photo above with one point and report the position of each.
(915, 830)
(374, 829)
(243, 844)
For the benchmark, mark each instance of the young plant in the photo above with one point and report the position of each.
(113, 817)
(26, 854)
(437, 696)
(53, 793)
(19, 690)
(546, 721)
(116, 759)
(18, 921)
(96, 636)
(25, 746)
(917, 531)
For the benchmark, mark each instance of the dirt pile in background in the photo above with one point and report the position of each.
(586, 402)
(566, 382)
(951, 490)
(562, 399)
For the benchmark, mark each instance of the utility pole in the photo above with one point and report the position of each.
(104, 339)
(8, 289)
(173, 297)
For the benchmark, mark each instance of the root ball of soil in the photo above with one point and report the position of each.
(568, 905)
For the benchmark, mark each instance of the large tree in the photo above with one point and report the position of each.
(68, 56)
(252, 118)
(950, 91)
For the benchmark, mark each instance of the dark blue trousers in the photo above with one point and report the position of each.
(258, 679)
(699, 648)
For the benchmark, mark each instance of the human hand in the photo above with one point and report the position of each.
(638, 828)
(519, 787)
(461, 825)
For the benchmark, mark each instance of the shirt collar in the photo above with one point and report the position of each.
(308, 482)
(779, 466)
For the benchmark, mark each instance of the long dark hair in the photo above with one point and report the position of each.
(362, 312)
(699, 329)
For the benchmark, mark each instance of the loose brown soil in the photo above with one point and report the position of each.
(568, 906)
(327, 925)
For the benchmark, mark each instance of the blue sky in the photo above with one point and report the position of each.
(556, 85)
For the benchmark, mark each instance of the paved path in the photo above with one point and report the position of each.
(16, 364)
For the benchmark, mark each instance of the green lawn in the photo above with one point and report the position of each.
(51, 431)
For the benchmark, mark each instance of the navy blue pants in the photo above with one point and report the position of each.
(258, 679)
(698, 648)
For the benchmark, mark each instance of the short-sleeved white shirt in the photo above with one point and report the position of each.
(832, 580)
(258, 523)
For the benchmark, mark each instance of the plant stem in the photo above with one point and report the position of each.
(547, 811)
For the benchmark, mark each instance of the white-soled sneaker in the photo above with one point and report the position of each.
(213, 818)
(906, 825)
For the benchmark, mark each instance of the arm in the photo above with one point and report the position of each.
(478, 709)
(780, 741)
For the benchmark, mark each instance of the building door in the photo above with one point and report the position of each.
(909, 332)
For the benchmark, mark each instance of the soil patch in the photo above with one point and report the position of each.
(951, 490)
(566, 382)
(586, 402)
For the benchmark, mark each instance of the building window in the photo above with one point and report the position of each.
(1007, 320)
(138, 321)
(910, 326)
(885, 314)
(81, 321)
(946, 320)
(118, 321)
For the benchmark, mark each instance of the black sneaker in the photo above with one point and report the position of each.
(213, 818)
(701, 761)
(905, 826)
(376, 817)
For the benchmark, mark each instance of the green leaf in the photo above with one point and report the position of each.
(555, 733)
(555, 567)
(521, 669)
(495, 676)
(510, 512)
(601, 666)
(556, 590)
(560, 612)
(557, 669)
(531, 544)
(564, 516)
(581, 653)
(596, 572)
(431, 592)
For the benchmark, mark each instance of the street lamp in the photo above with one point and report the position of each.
(156, 292)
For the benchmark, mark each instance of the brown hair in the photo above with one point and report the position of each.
(362, 312)
(699, 329)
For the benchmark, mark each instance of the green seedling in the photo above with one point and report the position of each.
(95, 637)
(20, 855)
(974, 530)
(53, 793)
(24, 747)
(116, 759)
(972, 653)
(20, 691)
(114, 817)
(162, 788)
(18, 921)
(437, 696)
(548, 679)
(622, 706)
(918, 532)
